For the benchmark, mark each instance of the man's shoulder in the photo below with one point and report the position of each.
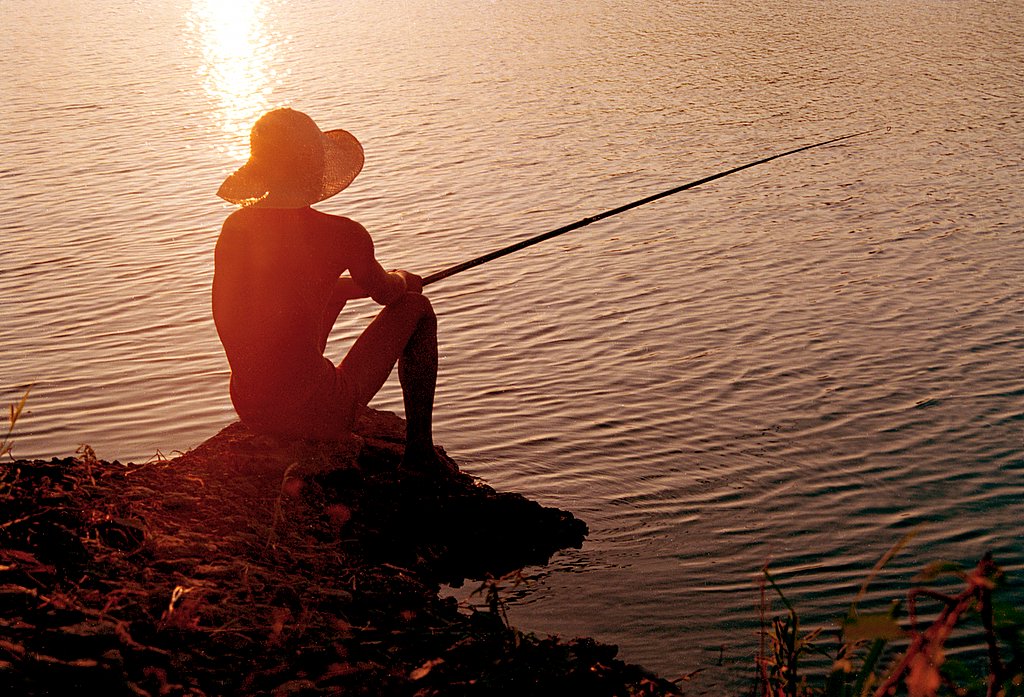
(243, 219)
(234, 218)
(347, 231)
(254, 217)
(338, 223)
(232, 228)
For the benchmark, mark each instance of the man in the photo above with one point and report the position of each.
(278, 289)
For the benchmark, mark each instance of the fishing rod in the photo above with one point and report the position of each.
(523, 244)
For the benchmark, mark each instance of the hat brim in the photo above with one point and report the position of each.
(343, 160)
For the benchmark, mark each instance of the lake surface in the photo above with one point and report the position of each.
(798, 364)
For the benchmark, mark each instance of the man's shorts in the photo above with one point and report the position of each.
(327, 412)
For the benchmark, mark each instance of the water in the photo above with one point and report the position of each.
(797, 364)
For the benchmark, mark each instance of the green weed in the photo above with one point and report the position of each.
(864, 638)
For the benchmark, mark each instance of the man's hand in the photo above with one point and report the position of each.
(413, 282)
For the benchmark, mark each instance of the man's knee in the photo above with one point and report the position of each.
(418, 304)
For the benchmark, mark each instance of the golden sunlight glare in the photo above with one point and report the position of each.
(237, 54)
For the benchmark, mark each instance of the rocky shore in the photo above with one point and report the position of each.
(251, 566)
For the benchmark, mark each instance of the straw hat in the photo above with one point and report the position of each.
(293, 164)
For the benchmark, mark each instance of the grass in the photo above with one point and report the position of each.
(865, 654)
(13, 415)
(877, 653)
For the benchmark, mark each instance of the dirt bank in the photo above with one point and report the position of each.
(252, 566)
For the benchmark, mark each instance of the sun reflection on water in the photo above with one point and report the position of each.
(238, 54)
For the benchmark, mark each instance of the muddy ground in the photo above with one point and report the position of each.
(250, 566)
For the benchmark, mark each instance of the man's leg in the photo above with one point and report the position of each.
(404, 332)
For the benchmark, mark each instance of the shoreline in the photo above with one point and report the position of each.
(255, 566)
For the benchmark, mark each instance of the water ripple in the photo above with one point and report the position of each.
(796, 365)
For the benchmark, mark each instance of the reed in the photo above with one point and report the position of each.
(12, 418)
(880, 654)
(491, 589)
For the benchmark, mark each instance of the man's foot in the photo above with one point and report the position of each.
(432, 461)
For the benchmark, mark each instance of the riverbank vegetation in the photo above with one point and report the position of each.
(893, 651)
(13, 414)
(244, 567)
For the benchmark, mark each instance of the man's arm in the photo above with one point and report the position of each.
(367, 273)
(344, 290)
(347, 289)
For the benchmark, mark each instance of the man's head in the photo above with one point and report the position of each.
(292, 163)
